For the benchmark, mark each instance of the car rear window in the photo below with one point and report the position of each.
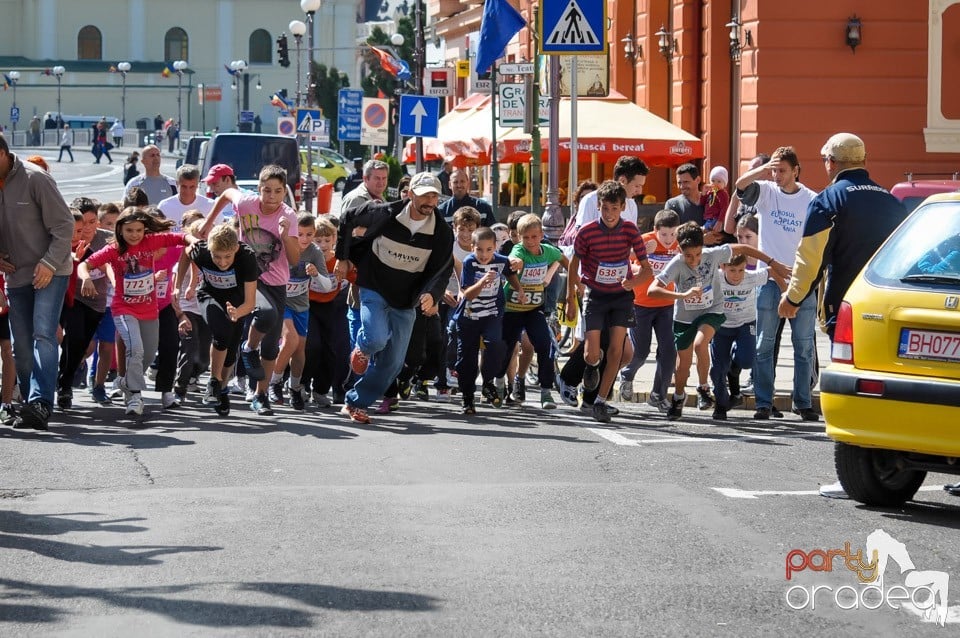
(247, 155)
(925, 250)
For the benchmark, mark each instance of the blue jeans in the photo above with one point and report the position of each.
(384, 336)
(803, 336)
(730, 345)
(34, 315)
(353, 325)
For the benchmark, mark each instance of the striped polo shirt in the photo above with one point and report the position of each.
(605, 254)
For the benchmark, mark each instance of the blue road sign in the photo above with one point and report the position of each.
(349, 107)
(247, 117)
(573, 27)
(419, 115)
(306, 119)
(14, 114)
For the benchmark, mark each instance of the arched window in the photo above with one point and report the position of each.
(261, 47)
(176, 45)
(89, 43)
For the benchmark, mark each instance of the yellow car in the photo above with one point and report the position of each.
(328, 172)
(891, 396)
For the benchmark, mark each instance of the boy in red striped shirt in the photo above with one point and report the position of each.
(601, 262)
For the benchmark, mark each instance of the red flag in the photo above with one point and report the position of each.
(387, 61)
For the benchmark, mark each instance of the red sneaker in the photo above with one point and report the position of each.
(358, 415)
(358, 361)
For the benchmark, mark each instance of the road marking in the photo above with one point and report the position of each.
(732, 492)
(614, 437)
(637, 439)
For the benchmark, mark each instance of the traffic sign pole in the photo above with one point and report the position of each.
(494, 161)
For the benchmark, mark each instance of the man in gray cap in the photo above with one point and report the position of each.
(404, 260)
(845, 225)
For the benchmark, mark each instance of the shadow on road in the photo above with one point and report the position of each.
(13, 522)
(213, 614)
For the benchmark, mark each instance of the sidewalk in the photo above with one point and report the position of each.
(783, 384)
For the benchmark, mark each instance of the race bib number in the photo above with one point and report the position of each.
(659, 262)
(298, 287)
(703, 300)
(222, 279)
(489, 289)
(96, 273)
(533, 274)
(534, 297)
(611, 273)
(138, 284)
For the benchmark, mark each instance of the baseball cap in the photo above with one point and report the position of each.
(423, 183)
(844, 147)
(218, 172)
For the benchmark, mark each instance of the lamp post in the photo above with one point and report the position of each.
(203, 107)
(238, 67)
(58, 72)
(123, 68)
(179, 67)
(298, 28)
(310, 7)
(397, 40)
(14, 78)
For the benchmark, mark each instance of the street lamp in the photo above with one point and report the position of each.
(310, 7)
(397, 40)
(179, 66)
(58, 72)
(203, 108)
(238, 67)
(123, 68)
(298, 29)
(14, 78)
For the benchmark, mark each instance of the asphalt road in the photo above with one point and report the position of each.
(514, 522)
(510, 523)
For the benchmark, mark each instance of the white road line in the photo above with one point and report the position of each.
(613, 437)
(732, 492)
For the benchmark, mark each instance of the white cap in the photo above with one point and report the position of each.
(423, 183)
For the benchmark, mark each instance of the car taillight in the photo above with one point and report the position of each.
(842, 349)
(870, 387)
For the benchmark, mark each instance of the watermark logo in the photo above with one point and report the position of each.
(681, 149)
(923, 591)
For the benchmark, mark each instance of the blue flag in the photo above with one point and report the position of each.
(500, 22)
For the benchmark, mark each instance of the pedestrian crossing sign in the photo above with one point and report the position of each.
(573, 27)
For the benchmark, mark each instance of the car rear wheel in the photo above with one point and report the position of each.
(874, 477)
(339, 184)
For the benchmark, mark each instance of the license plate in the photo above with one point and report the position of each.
(928, 345)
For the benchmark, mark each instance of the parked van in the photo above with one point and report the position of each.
(248, 153)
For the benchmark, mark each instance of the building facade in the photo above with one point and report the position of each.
(89, 38)
(748, 76)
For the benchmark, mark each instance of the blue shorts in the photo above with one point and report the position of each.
(107, 330)
(300, 320)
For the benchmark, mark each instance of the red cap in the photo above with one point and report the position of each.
(218, 172)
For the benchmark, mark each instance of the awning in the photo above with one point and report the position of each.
(610, 127)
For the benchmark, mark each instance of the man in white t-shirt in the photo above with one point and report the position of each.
(188, 179)
(631, 172)
(781, 203)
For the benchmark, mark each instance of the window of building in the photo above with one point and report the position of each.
(176, 45)
(89, 43)
(261, 47)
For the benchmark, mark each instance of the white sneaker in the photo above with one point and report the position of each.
(135, 404)
(250, 394)
(568, 393)
(626, 390)
(169, 401)
(151, 374)
(834, 490)
(452, 380)
(747, 388)
(321, 400)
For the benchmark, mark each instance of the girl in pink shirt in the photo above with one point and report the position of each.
(140, 237)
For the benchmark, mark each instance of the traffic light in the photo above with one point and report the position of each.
(282, 52)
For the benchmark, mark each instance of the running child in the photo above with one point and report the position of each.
(698, 307)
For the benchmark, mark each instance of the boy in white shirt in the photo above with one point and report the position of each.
(735, 341)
